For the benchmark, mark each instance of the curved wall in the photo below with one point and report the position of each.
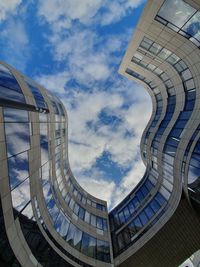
(51, 218)
(47, 219)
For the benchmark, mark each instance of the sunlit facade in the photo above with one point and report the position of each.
(48, 219)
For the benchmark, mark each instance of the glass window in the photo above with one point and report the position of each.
(131, 207)
(151, 67)
(186, 74)
(53, 209)
(139, 56)
(93, 220)
(61, 224)
(140, 196)
(180, 66)
(83, 200)
(144, 190)
(37, 95)
(164, 53)
(85, 243)
(126, 213)
(120, 240)
(93, 204)
(91, 248)
(89, 202)
(168, 185)
(126, 236)
(145, 45)
(100, 250)
(100, 223)
(105, 225)
(172, 59)
(158, 72)
(137, 224)
(160, 199)
(71, 204)
(121, 217)
(148, 184)
(87, 217)
(67, 199)
(154, 205)
(77, 238)
(21, 195)
(15, 115)
(18, 169)
(155, 48)
(192, 27)
(166, 194)
(189, 84)
(168, 84)
(132, 229)
(9, 88)
(81, 214)
(135, 202)
(143, 218)
(76, 209)
(17, 137)
(193, 174)
(79, 196)
(176, 12)
(149, 212)
(70, 234)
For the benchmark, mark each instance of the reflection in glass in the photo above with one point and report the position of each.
(77, 238)
(15, 115)
(70, 234)
(9, 88)
(17, 137)
(18, 169)
(61, 224)
(21, 195)
(176, 12)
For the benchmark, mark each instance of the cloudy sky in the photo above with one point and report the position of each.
(74, 48)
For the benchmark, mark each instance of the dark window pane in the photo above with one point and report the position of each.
(77, 239)
(81, 214)
(100, 223)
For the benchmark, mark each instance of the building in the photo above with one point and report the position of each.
(47, 219)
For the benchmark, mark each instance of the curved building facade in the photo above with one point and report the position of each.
(47, 219)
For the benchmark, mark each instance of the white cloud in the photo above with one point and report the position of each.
(53, 10)
(128, 183)
(16, 50)
(86, 12)
(90, 58)
(54, 82)
(88, 143)
(7, 7)
(98, 186)
(116, 10)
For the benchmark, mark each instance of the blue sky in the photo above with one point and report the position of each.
(74, 48)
